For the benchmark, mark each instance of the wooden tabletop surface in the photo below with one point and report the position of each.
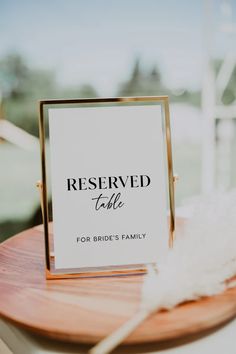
(86, 310)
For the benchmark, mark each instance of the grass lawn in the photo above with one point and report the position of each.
(19, 171)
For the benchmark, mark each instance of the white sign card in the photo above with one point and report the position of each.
(109, 185)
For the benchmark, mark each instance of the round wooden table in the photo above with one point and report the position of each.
(86, 310)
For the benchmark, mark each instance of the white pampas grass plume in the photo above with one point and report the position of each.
(203, 258)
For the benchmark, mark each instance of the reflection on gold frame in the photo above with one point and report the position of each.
(51, 273)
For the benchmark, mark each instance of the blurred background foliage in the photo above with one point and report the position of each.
(22, 86)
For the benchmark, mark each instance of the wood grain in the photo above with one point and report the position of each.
(86, 310)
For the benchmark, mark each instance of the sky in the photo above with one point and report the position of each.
(97, 41)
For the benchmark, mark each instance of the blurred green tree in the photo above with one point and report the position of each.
(229, 94)
(149, 83)
(22, 86)
(13, 76)
(142, 83)
(83, 91)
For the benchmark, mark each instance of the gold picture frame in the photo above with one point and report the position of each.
(44, 105)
